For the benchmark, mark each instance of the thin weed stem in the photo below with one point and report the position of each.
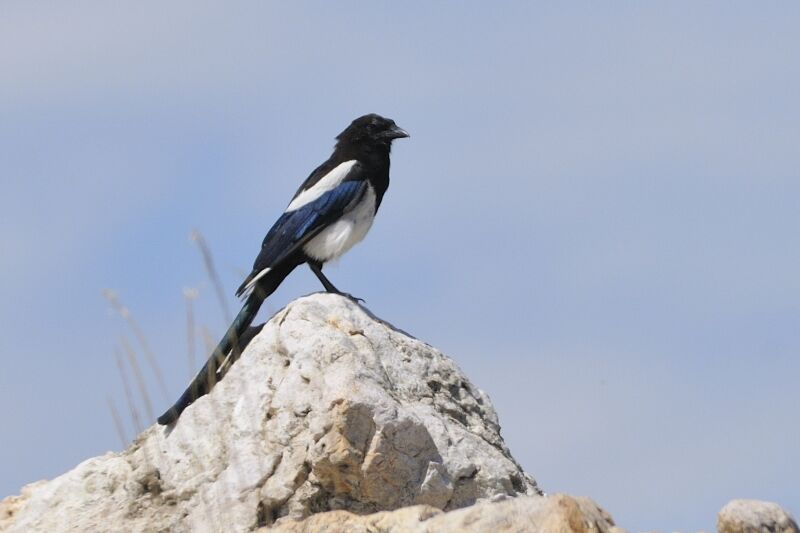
(117, 422)
(208, 261)
(134, 412)
(191, 330)
(137, 373)
(125, 313)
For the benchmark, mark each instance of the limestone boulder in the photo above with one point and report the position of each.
(329, 408)
(552, 514)
(754, 516)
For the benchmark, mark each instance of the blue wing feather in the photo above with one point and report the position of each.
(295, 228)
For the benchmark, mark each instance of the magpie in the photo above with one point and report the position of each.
(331, 212)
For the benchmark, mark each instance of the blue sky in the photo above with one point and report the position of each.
(597, 216)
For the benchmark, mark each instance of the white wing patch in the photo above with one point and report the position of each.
(327, 183)
(252, 283)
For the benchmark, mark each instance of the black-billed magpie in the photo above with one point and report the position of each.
(331, 212)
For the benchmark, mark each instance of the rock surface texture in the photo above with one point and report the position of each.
(753, 516)
(328, 408)
(551, 514)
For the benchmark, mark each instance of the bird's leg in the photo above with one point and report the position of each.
(316, 268)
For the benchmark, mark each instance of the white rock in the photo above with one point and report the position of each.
(552, 514)
(328, 408)
(754, 516)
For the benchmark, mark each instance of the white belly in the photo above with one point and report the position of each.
(345, 233)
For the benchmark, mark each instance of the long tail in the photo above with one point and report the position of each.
(229, 348)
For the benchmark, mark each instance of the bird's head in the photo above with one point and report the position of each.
(371, 130)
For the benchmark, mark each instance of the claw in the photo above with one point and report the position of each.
(351, 297)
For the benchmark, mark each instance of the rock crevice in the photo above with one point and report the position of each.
(328, 409)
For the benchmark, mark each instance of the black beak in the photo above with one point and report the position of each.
(396, 133)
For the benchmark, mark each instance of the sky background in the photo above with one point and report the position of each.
(597, 216)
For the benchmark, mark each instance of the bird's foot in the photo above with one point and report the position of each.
(349, 296)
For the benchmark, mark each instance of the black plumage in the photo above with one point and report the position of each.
(330, 212)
